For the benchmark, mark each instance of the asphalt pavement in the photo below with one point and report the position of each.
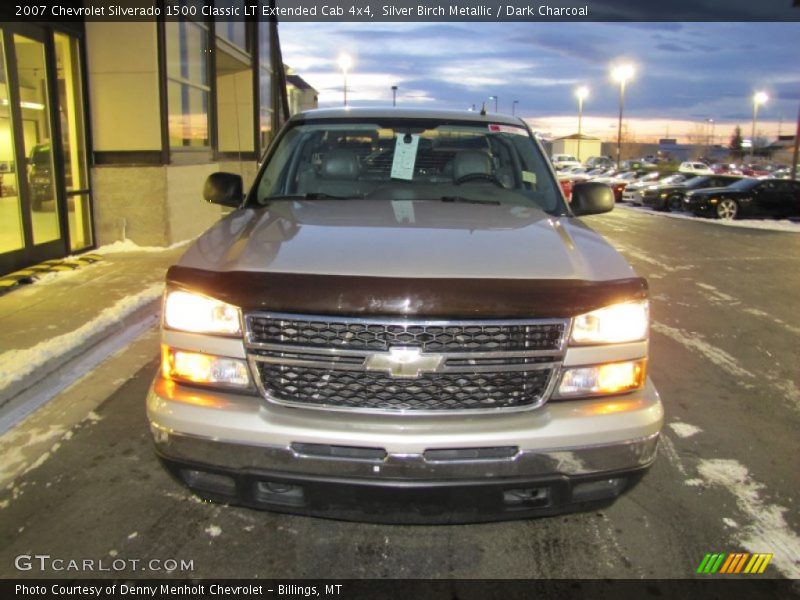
(724, 356)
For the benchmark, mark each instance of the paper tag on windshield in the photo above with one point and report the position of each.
(405, 156)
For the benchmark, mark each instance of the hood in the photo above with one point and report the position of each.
(716, 192)
(406, 239)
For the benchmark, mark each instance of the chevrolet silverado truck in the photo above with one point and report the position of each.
(403, 321)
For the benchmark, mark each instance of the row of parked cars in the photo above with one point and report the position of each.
(698, 189)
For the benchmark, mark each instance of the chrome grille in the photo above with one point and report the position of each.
(377, 391)
(340, 363)
(435, 336)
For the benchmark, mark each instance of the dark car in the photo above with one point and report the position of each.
(670, 197)
(40, 176)
(747, 197)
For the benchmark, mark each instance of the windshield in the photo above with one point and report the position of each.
(744, 184)
(409, 159)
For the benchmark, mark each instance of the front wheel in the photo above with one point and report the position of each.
(727, 209)
(675, 203)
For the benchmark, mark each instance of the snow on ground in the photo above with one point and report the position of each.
(767, 530)
(15, 449)
(120, 247)
(684, 430)
(765, 224)
(694, 342)
(213, 530)
(18, 364)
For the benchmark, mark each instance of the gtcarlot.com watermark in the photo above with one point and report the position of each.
(47, 563)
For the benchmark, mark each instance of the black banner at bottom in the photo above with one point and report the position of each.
(415, 589)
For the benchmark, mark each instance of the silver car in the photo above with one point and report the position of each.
(403, 320)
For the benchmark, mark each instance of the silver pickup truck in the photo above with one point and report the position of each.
(404, 321)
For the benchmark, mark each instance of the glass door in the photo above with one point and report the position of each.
(37, 138)
(12, 237)
(45, 202)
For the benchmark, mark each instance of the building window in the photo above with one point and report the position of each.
(233, 32)
(188, 86)
(265, 83)
(233, 69)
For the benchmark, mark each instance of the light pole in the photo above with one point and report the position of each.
(495, 98)
(345, 63)
(621, 73)
(758, 99)
(513, 107)
(582, 93)
(394, 95)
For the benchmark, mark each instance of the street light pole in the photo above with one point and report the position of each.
(495, 98)
(345, 62)
(621, 73)
(758, 98)
(582, 92)
(796, 149)
(394, 95)
(513, 107)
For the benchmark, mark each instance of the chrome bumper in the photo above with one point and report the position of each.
(306, 459)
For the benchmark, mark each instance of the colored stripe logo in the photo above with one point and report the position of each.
(731, 564)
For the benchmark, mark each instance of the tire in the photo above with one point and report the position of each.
(675, 203)
(727, 209)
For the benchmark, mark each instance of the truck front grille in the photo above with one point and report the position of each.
(434, 336)
(341, 363)
(376, 391)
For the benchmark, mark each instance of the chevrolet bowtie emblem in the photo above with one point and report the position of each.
(404, 362)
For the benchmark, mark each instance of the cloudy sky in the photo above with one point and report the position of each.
(686, 73)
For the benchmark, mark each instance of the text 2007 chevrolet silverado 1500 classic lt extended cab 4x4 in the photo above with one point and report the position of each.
(404, 321)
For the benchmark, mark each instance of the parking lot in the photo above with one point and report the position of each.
(724, 357)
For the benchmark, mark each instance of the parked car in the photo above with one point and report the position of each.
(563, 161)
(695, 168)
(594, 162)
(618, 181)
(633, 191)
(40, 176)
(670, 196)
(431, 335)
(726, 168)
(747, 197)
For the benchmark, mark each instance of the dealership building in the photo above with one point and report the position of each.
(109, 129)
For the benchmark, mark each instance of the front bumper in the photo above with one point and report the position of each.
(561, 457)
(697, 206)
(653, 201)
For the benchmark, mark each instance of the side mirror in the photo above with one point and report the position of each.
(590, 198)
(224, 188)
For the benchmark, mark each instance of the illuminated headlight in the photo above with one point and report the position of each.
(612, 378)
(663, 195)
(196, 367)
(200, 314)
(618, 323)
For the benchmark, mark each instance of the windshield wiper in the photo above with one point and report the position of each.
(313, 196)
(463, 200)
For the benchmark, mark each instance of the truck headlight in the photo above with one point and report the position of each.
(195, 313)
(197, 367)
(618, 323)
(596, 380)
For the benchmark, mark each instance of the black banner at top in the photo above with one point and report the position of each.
(403, 10)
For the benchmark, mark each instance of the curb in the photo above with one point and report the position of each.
(21, 398)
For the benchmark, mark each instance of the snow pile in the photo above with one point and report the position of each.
(120, 247)
(767, 224)
(767, 530)
(17, 364)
